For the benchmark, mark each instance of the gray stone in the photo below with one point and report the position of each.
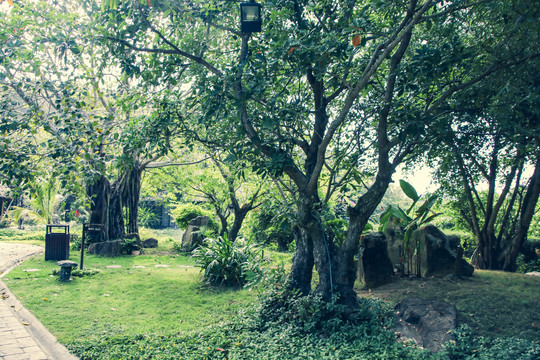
(66, 266)
(192, 238)
(136, 245)
(438, 254)
(106, 248)
(428, 323)
(394, 240)
(200, 221)
(150, 243)
(374, 265)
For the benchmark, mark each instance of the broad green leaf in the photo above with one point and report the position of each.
(409, 190)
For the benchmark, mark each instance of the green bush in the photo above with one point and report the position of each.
(10, 234)
(131, 244)
(269, 224)
(76, 242)
(184, 213)
(524, 266)
(469, 346)
(286, 326)
(147, 217)
(227, 263)
(244, 339)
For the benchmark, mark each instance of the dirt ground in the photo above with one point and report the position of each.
(12, 254)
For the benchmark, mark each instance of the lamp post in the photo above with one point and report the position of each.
(250, 17)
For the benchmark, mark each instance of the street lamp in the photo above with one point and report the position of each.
(250, 17)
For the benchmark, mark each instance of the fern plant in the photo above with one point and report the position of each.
(228, 263)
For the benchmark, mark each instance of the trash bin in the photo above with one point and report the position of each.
(57, 243)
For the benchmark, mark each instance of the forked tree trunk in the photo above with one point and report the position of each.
(302, 265)
(509, 255)
(239, 217)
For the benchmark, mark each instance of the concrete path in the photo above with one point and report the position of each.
(22, 336)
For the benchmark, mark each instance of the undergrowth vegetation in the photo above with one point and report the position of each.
(228, 263)
(304, 328)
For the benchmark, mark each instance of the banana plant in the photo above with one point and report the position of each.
(411, 219)
(44, 203)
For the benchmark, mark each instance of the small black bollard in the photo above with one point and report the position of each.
(65, 269)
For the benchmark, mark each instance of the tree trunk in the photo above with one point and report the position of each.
(131, 189)
(223, 220)
(509, 255)
(100, 193)
(302, 265)
(116, 216)
(239, 216)
(344, 266)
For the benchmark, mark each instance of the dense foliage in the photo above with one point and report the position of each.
(228, 263)
(308, 328)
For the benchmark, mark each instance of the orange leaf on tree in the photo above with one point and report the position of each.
(291, 49)
(356, 40)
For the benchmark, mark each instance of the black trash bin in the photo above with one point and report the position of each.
(57, 243)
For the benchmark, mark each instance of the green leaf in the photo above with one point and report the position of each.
(409, 190)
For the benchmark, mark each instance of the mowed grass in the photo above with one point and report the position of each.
(493, 303)
(33, 236)
(159, 300)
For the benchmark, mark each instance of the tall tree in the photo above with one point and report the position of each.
(326, 87)
(64, 99)
(490, 137)
(494, 146)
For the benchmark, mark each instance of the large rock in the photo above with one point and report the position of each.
(394, 241)
(192, 238)
(438, 254)
(107, 248)
(150, 243)
(374, 265)
(200, 221)
(425, 322)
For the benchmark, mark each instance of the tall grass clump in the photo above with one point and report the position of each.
(228, 263)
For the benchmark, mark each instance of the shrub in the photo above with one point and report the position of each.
(184, 213)
(524, 266)
(242, 339)
(131, 244)
(227, 263)
(76, 242)
(270, 224)
(469, 346)
(147, 217)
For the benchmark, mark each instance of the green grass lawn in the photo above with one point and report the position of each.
(152, 312)
(130, 300)
(494, 303)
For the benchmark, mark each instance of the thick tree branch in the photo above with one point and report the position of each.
(172, 163)
(174, 51)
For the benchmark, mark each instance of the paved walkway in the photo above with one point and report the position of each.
(22, 336)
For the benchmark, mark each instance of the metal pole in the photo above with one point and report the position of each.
(82, 245)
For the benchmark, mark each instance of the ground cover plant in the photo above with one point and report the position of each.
(168, 313)
(129, 299)
(492, 303)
